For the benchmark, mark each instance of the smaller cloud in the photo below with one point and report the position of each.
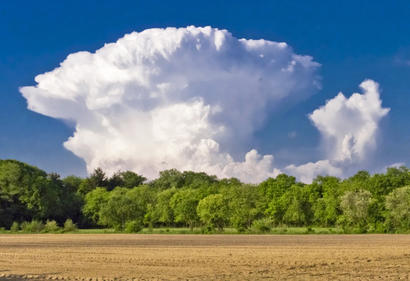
(349, 128)
(349, 125)
(395, 165)
(307, 172)
(255, 167)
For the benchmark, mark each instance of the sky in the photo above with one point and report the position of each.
(294, 123)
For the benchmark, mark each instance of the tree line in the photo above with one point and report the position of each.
(128, 202)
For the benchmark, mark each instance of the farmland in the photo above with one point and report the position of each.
(204, 257)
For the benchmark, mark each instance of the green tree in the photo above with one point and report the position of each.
(72, 183)
(126, 205)
(163, 211)
(398, 177)
(27, 193)
(355, 206)
(380, 185)
(145, 198)
(297, 207)
(126, 179)
(324, 196)
(131, 179)
(96, 179)
(271, 192)
(115, 181)
(242, 201)
(119, 209)
(197, 180)
(168, 179)
(94, 203)
(398, 206)
(184, 203)
(213, 211)
(174, 178)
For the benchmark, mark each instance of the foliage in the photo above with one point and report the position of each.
(130, 179)
(94, 203)
(355, 207)
(51, 226)
(134, 226)
(262, 225)
(33, 226)
(163, 213)
(69, 226)
(298, 208)
(26, 192)
(212, 211)
(126, 201)
(324, 195)
(118, 210)
(243, 205)
(398, 205)
(15, 227)
(272, 191)
(184, 203)
(175, 179)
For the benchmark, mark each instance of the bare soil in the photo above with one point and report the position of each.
(204, 257)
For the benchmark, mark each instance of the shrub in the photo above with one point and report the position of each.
(133, 226)
(33, 226)
(241, 229)
(69, 226)
(51, 226)
(309, 230)
(262, 225)
(15, 227)
(24, 226)
(207, 230)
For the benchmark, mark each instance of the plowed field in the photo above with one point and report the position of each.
(204, 257)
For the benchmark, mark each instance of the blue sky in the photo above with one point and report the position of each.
(352, 40)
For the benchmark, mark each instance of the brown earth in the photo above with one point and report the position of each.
(204, 257)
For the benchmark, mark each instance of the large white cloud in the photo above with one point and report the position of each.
(173, 98)
(187, 98)
(349, 129)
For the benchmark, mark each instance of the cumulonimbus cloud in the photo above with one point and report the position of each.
(173, 98)
(184, 98)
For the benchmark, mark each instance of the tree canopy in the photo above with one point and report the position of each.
(128, 201)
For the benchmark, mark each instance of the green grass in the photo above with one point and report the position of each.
(97, 231)
(183, 230)
(197, 230)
